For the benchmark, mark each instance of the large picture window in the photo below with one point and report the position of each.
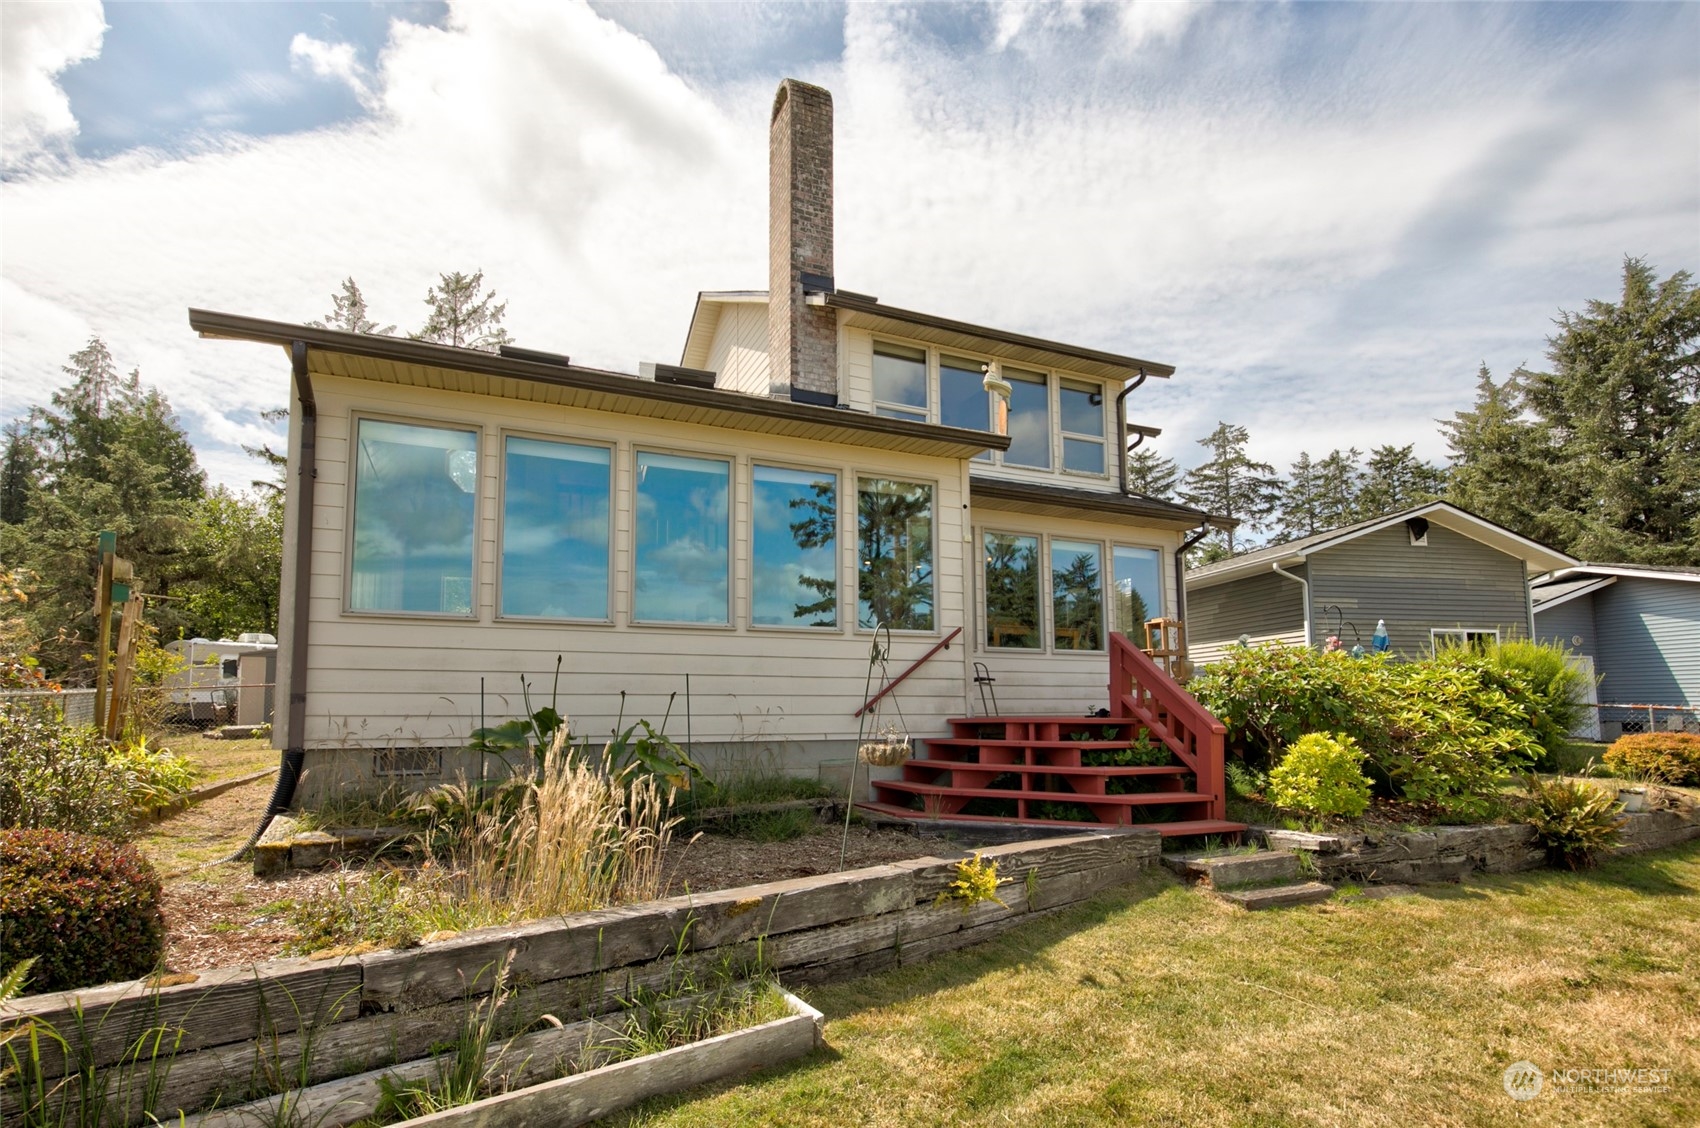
(1077, 609)
(554, 530)
(1029, 419)
(1012, 591)
(1138, 590)
(900, 381)
(415, 492)
(894, 544)
(793, 548)
(1082, 426)
(681, 561)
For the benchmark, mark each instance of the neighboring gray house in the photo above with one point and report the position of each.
(1434, 572)
(1639, 623)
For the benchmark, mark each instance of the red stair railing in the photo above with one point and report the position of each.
(1143, 690)
(941, 644)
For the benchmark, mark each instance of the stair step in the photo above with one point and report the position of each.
(1044, 769)
(1035, 742)
(1182, 829)
(1040, 719)
(1225, 871)
(1277, 896)
(1141, 799)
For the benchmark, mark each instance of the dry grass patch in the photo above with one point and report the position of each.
(221, 759)
(1158, 1006)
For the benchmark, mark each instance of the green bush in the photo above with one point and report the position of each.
(1321, 775)
(56, 775)
(1269, 696)
(86, 909)
(1666, 757)
(157, 776)
(1573, 820)
(1554, 688)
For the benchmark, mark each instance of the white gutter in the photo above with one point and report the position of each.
(1275, 566)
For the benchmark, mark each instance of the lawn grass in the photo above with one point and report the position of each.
(1158, 1005)
(221, 759)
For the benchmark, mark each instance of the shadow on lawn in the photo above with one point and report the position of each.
(1648, 873)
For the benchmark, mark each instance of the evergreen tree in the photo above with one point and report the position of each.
(1502, 464)
(18, 468)
(1300, 512)
(276, 462)
(463, 316)
(1152, 475)
(1232, 483)
(1338, 480)
(348, 313)
(237, 543)
(1397, 479)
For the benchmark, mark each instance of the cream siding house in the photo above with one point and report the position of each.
(713, 542)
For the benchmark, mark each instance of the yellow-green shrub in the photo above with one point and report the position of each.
(1668, 757)
(1321, 775)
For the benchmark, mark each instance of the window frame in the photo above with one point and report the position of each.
(613, 450)
(854, 544)
(1102, 438)
(890, 409)
(750, 623)
(351, 515)
(732, 463)
(1467, 636)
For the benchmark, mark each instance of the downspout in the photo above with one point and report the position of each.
(289, 768)
(1304, 583)
(1180, 574)
(1121, 423)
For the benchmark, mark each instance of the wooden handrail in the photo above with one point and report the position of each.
(1144, 691)
(942, 644)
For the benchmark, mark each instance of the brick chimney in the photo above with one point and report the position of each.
(802, 339)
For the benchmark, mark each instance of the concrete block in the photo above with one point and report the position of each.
(313, 849)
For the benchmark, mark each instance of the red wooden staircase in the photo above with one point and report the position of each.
(1155, 762)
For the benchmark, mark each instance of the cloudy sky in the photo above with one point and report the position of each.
(1325, 215)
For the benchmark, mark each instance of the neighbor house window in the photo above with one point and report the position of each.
(415, 491)
(1138, 582)
(681, 559)
(554, 529)
(1029, 419)
(1077, 602)
(1012, 591)
(1476, 638)
(900, 381)
(894, 545)
(1082, 410)
(793, 548)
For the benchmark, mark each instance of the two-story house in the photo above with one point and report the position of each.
(717, 539)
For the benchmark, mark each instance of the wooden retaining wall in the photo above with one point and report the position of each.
(242, 1033)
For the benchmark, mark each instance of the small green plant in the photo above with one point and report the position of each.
(463, 1075)
(55, 775)
(773, 826)
(1321, 775)
(87, 909)
(380, 910)
(1662, 757)
(73, 1092)
(1575, 821)
(157, 776)
(1244, 781)
(976, 880)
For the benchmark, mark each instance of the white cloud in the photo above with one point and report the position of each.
(337, 62)
(37, 42)
(1325, 261)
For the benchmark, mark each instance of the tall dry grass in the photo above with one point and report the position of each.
(579, 839)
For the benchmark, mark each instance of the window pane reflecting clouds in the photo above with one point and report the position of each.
(794, 548)
(1012, 591)
(1029, 420)
(555, 530)
(894, 543)
(414, 493)
(1139, 590)
(900, 379)
(680, 559)
(1076, 596)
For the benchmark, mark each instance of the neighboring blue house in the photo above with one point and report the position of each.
(1639, 623)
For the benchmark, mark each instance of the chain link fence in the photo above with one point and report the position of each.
(1627, 720)
(75, 705)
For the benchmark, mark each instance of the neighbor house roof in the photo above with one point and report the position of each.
(865, 312)
(1547, 596)
(1673, 572)
(532, 376)
(1537, 556)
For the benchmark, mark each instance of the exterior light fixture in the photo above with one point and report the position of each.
(999, 387)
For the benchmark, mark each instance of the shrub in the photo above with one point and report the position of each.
(1269, 696)
(86, 909)
(1554, 689)
(157, 776)
(56, 775)
(1321, 775)
(1573, 820)
(1666, 757)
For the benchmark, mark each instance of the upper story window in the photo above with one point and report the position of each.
(555, 529)
(1082, 418)
(681, 556)
(415, 494)
(793, 547)
(900, 381)
(1029, 419)
(894, 545)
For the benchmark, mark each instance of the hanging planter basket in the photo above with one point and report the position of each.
(888, 748)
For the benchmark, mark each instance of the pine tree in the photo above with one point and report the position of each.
(1152, 475)
(1397, 479)
(462, 316)
(1502, 464)
(1300, 513)
(348, 313)
(18, 468)
(1231, 483)
(1338, 480)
